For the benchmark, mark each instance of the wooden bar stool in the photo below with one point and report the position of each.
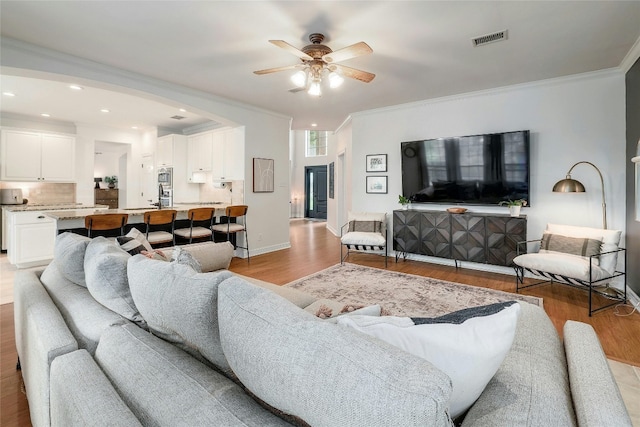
(203, 216)
(158, 219)
(235, 212)
(105, 222)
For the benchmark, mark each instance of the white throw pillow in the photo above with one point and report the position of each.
(469, 352)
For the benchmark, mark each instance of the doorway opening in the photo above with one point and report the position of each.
(315, 192)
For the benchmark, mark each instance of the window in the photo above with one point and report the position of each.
(316, 143)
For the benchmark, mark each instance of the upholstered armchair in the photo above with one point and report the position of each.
(583, 257)
(364, 231)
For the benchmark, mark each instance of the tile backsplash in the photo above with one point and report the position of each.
(39, 193)
(233, 192)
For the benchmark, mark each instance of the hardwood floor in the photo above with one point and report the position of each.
(313, 248)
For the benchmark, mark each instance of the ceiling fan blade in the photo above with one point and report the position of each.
(275, 70)
(348, 52)
(363, 76)
(291, 49)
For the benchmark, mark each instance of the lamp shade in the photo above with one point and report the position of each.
(568, 185)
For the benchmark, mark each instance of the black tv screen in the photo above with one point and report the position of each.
(476, 169)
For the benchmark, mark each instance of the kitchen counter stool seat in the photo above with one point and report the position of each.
(204, 216)
(158, 219)
(105, 222)
(233, 213)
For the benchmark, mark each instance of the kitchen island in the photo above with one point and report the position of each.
(70, 219)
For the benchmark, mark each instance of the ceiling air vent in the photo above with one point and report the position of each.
(177, 117)
(489, 38)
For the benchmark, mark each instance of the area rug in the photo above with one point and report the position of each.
(399, 294)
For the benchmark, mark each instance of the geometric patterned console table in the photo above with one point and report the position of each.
(476, 237)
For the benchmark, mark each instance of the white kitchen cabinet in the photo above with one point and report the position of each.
(164, 150)
(199, 156)
(36, 156)
(219, 153)
(30, 239)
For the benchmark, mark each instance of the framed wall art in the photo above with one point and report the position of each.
(376, 162)
(331, 179)
(377, 184)
(262, 175)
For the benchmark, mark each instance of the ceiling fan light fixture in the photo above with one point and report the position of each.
(299, 78)
(314, 88)
(335, 80)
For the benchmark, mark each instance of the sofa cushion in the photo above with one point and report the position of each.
(211, 256)
(182, 256)
(349, 379)
(105, 266)
(86, 318)
(299, 298)
(180, 305)
(531, 388)
(68, 252)
(164, 386)
(468, 346)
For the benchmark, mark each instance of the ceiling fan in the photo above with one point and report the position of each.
(318, 61)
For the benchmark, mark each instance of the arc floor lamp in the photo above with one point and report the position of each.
(570, 185)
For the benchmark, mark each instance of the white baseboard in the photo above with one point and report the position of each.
(463, 264)
(242, 253)
(631, 295)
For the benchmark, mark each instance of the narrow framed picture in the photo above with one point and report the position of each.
(331, 179)
(377, 184)
(376, 162)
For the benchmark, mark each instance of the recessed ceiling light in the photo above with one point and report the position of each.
(314, 124)
(182, 110)
(8, 94)
(45, 115)
(105, 110)
(134, 127)
(75, 87)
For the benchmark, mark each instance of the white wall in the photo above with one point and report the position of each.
(571, 119)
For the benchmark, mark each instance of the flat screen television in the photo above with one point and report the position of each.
(476, 169)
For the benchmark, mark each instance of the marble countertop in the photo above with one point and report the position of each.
(66, 206)
(80, 213)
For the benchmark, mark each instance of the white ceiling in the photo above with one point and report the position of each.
(421, 49)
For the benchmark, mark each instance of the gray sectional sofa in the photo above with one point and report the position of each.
(106, 338)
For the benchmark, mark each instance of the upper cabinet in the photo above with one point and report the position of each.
(37, 156)
(199, 160)
(218, 153)
(164, 150)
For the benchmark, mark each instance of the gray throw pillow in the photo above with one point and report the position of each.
(105, 265)
(180, 305)
(570, 245)
(350, 379)
(69, 253)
